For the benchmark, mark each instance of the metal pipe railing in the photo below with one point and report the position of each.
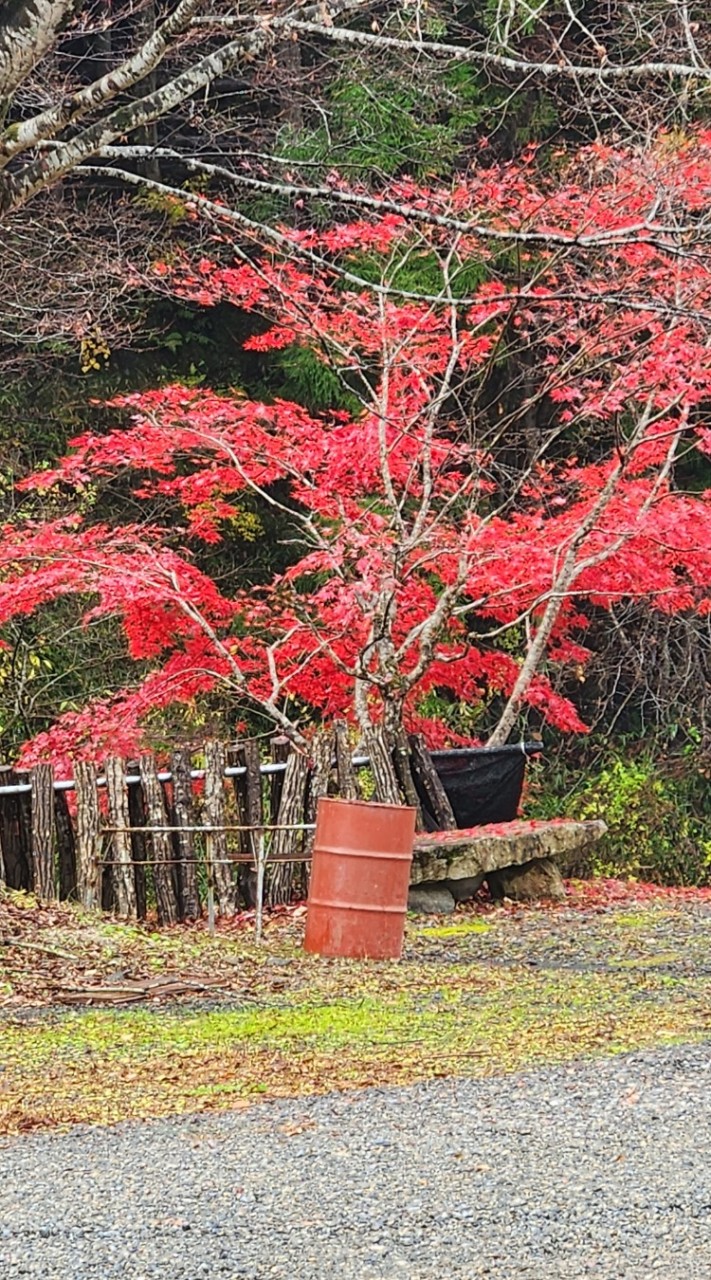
(165, 775)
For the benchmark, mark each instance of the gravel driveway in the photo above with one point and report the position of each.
(601, 1169)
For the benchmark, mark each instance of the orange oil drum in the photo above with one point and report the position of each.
(360, 875)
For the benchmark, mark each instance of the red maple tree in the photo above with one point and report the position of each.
(511, 456)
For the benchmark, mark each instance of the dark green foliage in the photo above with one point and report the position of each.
(657, 808)
(419, 272)
(389, 124)
(298, 374)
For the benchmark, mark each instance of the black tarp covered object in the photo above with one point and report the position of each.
(483, 784)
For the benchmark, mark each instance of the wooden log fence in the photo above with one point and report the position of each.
(124, 883)
(89, 840)
(182, 818)
(160, 841)
(42, 812)
(224, 828)
(219, 872)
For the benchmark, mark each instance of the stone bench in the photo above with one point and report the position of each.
(516, 859)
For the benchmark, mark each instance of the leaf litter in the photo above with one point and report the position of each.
(102, 1021)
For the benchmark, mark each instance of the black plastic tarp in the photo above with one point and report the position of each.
(483, 784)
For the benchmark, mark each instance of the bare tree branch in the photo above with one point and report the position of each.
(50, 166)
(653, 232)
(48, 124)
(28, 28)
(605, 72)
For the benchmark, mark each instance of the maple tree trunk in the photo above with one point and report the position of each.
(569, 570)
(529, 669)
(43, 841)
(122, 870)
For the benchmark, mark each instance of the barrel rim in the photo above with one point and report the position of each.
(367, 804)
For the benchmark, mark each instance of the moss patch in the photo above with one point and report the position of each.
(455, 930)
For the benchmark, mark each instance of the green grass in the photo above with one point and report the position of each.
(454, 930)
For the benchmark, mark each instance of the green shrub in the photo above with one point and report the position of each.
(657, 810)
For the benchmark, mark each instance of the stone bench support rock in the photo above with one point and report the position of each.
(516, 859)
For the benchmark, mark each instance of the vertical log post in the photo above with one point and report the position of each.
(139, 841)
(89, 840)
(210, 874)
(161, 844)
(401, 760)
(292, 811)
(122, 871)
(255, 808)
(426, 775)
(17, 866)
(278, 879)
(24, 827)
(279, 749)
(66, 847)
(43, 842)
(321, 766)
(246, 876)
(108, 897)
(215, 817)
(184, 841)
(252, 842)
(4, 878)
